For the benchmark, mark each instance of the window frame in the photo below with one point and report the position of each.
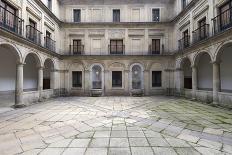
(81, 79)
(118, 19)
(154, 84)
(155, 51)
(112, 84)
(152, 14)
(79, 20)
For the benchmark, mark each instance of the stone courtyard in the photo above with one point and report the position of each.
(116, 126)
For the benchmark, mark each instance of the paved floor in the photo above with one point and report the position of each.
(116, 126)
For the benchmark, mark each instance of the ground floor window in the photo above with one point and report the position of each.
(77, 79)
(116, 79)
(156, 78)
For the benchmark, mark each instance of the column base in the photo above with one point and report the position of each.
(17, 106)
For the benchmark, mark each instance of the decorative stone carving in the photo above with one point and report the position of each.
(116, 33)
(99, 32)
(136, 32)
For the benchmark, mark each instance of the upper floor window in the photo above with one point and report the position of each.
(77, 15)
(116, 47)
(155, 15)
(184, 3)
(50, 4)
(226, 15)
(116, 15)
(155, 46)
(48, 34)
(186, 38)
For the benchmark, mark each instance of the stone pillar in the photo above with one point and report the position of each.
(40, 82)
(127, 81)
(19, 86)
(87, 81)
(179, 81)
(194, 82)
(216, 81)
(146, 82)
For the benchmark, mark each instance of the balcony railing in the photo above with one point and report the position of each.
(201, 33)
(76, 49)
(184, 43)
(154, 51)
(49, 44)
(10, 21)
(223, 21)
(116, 49)
(33, 34)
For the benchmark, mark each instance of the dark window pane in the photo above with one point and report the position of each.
(77, 15)
(50, 4)
(156, 78)
(77, 79)
(184, 3)
(155, 15)
(116, 79)
(116, 46)
(155, 46)
(116, 15)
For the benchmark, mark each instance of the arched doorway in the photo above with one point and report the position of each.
(97, 77)
(30, 72)
(205, 72)
(9, 57)
(48, 74)
(187, 71)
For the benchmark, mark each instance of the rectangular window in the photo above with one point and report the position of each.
(184, 4)
(77, 15)
(50, 4)
(155, 46)
(77, 47)
(225, 15)
(156, 78)
(186, 38)
(116, 79)
(116, 15)
(77, 79)
(202, 28)
(8, 16)
(116, 47)
(155, 15)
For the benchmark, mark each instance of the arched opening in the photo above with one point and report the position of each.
(97, 77)
(187, 71)
(137, 77)
(30, 73)
(8, 61)
(48, 77)
(224, 58)
(205, 72)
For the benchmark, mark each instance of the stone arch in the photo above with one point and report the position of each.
(37, 58)
(183, 60)
(16, 52)
(220, 49)
(118, 65)
(198, 55)
(136, 76)
(97, 76)
(48, 74)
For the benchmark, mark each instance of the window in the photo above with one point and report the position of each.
(186, 38)
(155, 15)
(48, 34)
(77, 79)
(77, 47)
(156, 78)
(50, 4)
(8, 15)
(77, 15)
(155, 46)
(184, 3)
(116, 79)
(225, 15)
(116, 47)
(202, 28)
(31, 30)
(116, 15)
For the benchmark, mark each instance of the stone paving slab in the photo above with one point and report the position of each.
(116, 126)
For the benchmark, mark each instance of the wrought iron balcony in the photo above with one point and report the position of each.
(201, 33)
(222, 21)
(76, 49)
(49, 44)
(184, 43)
(11, 22)
(116, 49)
(33, 34)
(154, 51)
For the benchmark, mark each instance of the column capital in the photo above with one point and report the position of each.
(20, 64)
(216, 62)
(179, 69)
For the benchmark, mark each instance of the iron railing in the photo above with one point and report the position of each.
(49, 44)
(10, 21)
(184, 42)
(154, 51)
(33, 34)
(76, 49)
(222, 21)
(116, 49)
(201, 33)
